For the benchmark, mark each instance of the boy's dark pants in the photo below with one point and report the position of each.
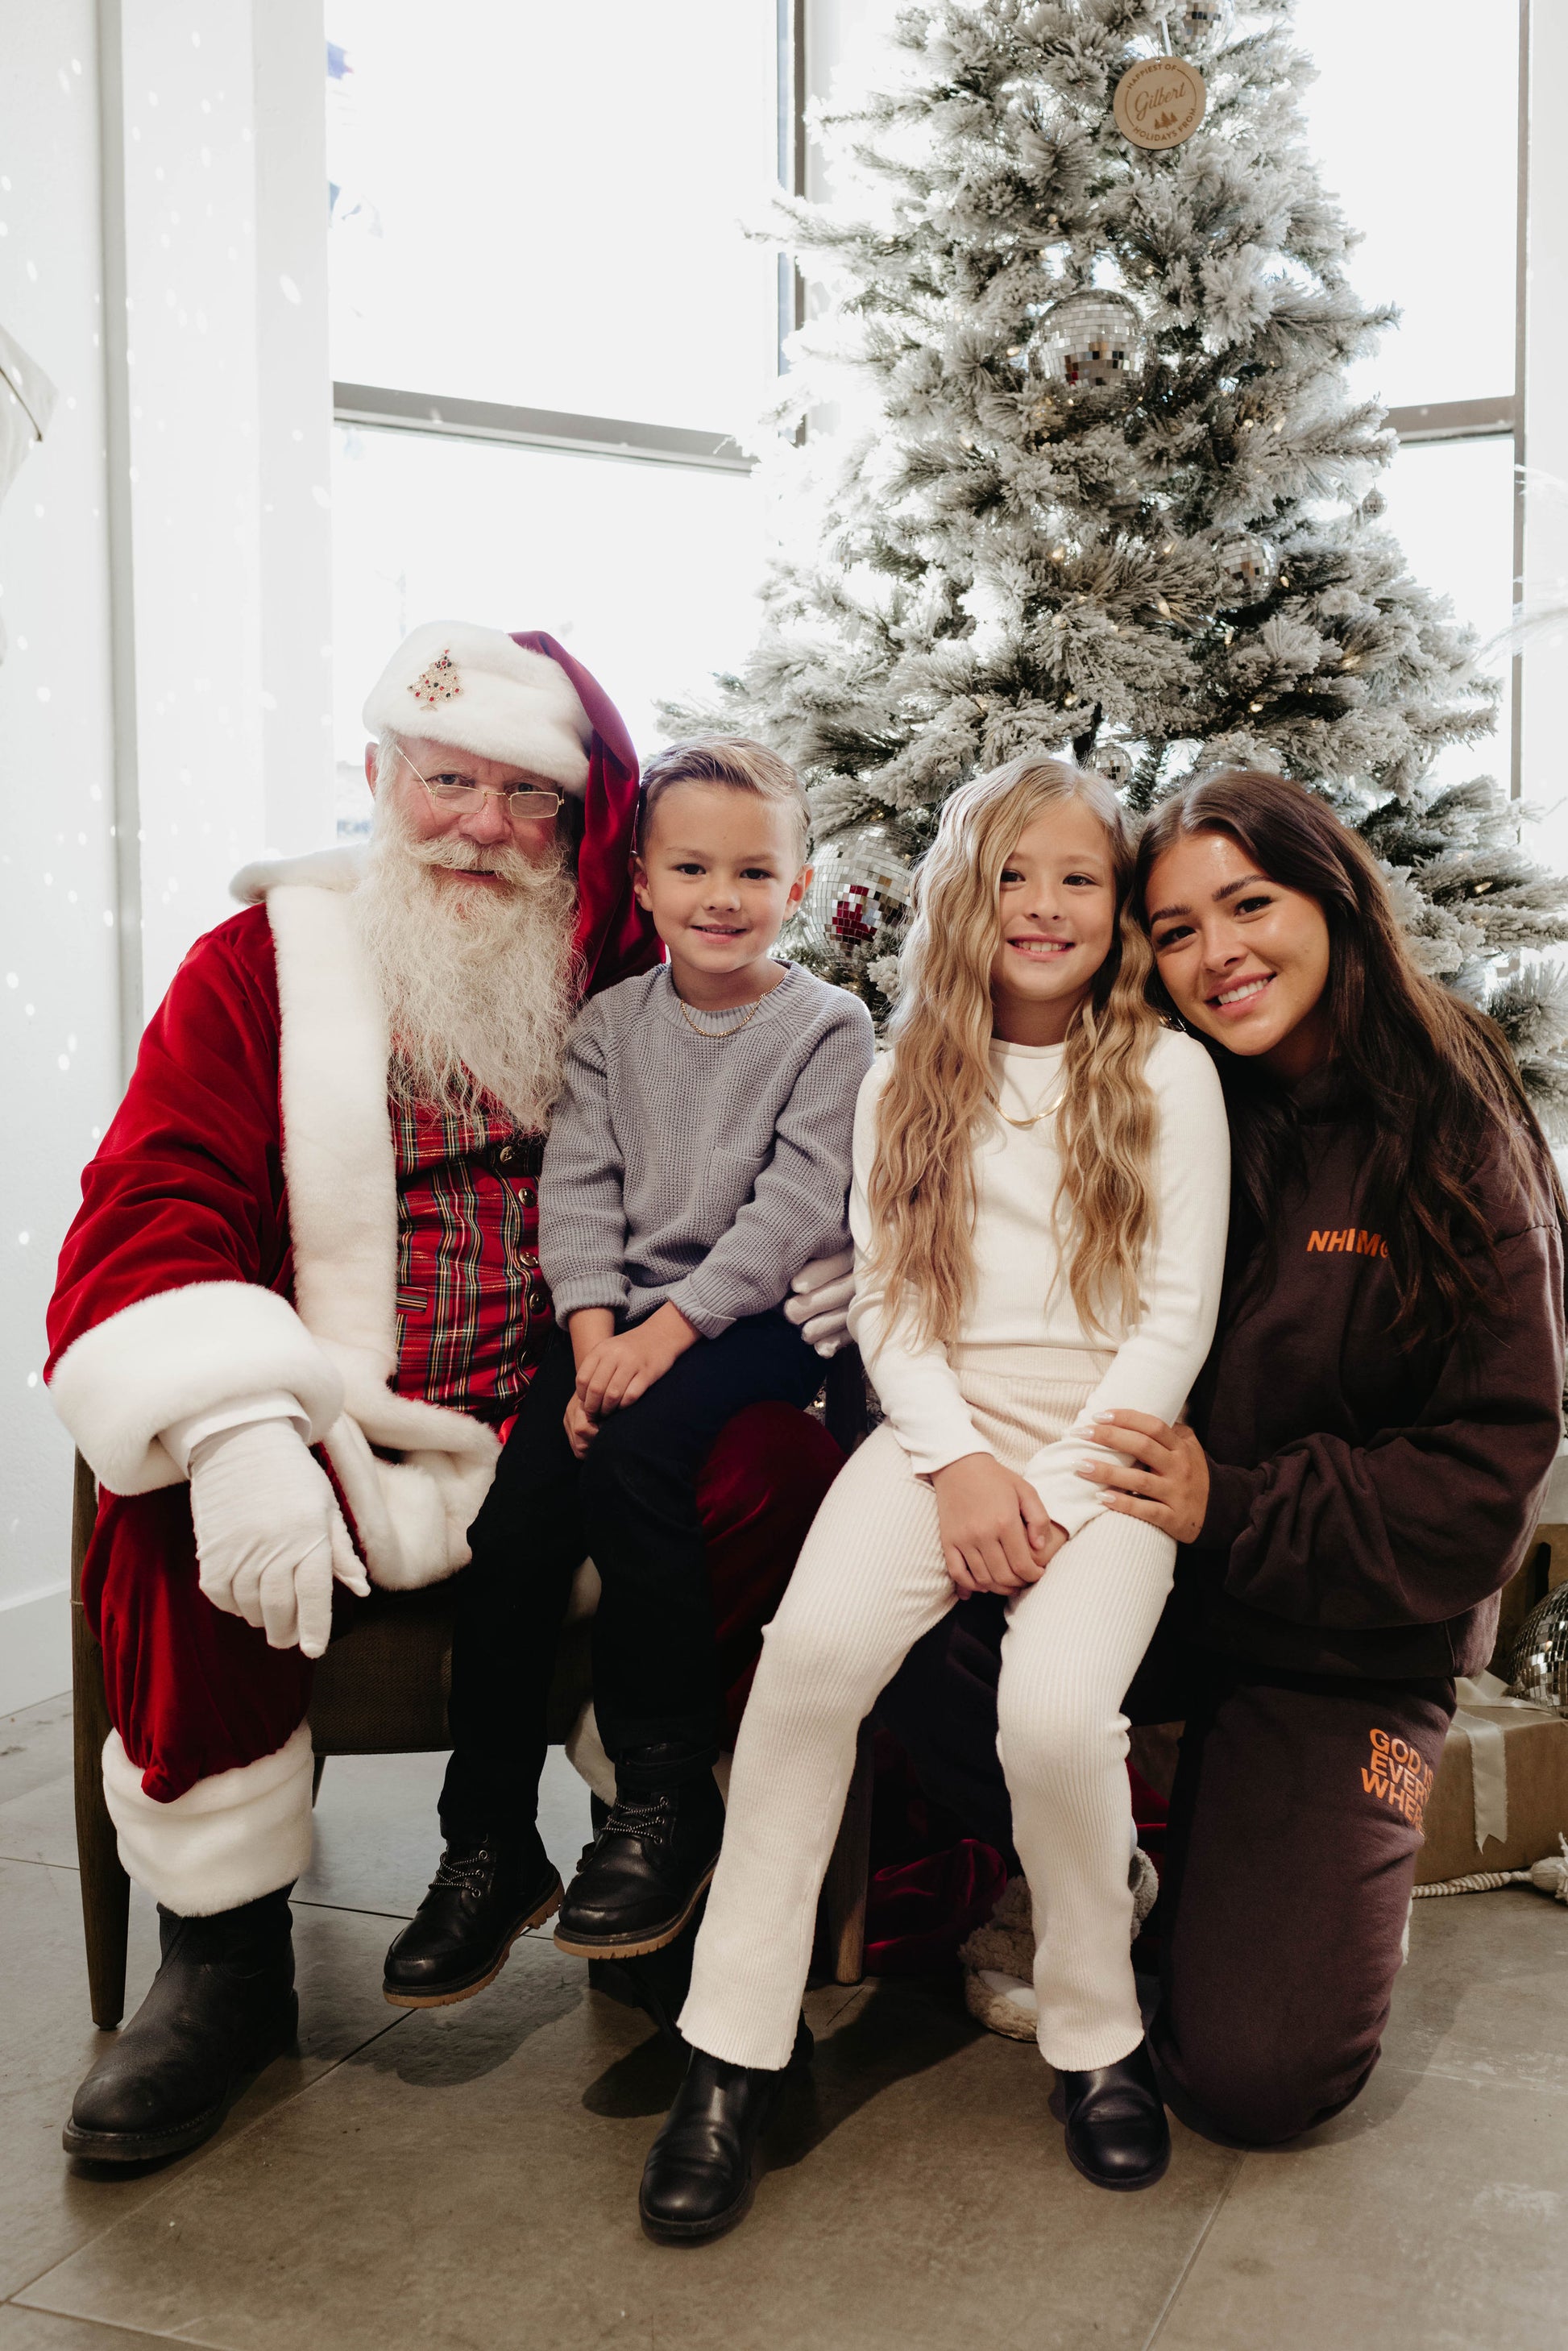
(1295, 1821)
(630, 1507)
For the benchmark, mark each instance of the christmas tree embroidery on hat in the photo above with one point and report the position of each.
(437, 683)
(1102, 487)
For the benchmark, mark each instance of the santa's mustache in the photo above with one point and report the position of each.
(449, 854)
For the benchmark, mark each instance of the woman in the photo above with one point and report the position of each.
(1041, 1180)
(1365, 1461)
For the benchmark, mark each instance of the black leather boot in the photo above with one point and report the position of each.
(487, 1890)
(221, 2007)
(1117, 2135)
(701, 2172)
(648, 1867)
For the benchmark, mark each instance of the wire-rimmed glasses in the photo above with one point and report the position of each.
(458, 793)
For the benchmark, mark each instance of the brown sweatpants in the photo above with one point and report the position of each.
(1290, 1857)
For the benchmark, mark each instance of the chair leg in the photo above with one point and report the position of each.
(848, 1870)
(105, 1887)
(318, 1764)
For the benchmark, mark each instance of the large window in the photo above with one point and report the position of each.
(549, 325)
(539, 257)
(647, 573)
(1413, 121)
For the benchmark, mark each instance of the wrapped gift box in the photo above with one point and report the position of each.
(1518, 1756)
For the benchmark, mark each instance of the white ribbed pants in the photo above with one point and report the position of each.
(870, 1582)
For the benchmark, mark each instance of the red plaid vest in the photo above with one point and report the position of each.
(474, 1315)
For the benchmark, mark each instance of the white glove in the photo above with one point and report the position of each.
(270, 1537)
(822, 1292)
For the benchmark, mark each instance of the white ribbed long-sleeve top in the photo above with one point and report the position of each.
(1021, 1297)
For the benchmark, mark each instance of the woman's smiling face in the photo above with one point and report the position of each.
(1242, 959)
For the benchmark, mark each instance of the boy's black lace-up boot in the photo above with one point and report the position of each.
(488, 1890)
(1117, 2135)
(222, 2006)
(646, 1870)
(701, 2171)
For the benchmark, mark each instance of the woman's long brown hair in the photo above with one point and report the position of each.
(940, 1093)
(1431, 1077)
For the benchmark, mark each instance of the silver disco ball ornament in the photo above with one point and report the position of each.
(1538, 1668)
(856, 897)
(1091, 349)
(1115, 762)
(1198, 29)
(1247, 568)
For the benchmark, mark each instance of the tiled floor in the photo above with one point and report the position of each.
(466, 2177)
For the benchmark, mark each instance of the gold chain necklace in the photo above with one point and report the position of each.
(1022, 1123)
(750, 1014)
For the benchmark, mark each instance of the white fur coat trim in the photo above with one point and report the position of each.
(191, 1350)
(179, 1352)
(230, 1839)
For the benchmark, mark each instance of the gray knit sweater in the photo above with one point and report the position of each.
(707, 1170)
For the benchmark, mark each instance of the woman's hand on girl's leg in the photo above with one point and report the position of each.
(996, 1535)
(1165, 1480)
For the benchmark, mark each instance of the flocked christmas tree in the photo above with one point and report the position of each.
(1099, 486)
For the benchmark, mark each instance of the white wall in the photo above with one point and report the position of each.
(165, 571)
(57, 946)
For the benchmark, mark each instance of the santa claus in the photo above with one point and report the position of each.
(301, 1300)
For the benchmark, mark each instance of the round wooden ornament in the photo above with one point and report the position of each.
(1160, 101)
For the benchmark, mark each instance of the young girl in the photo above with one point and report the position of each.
(1040, 1176)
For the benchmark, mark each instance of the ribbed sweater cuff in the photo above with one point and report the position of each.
(1231, 1493)
(709, 1322)
(586, 1289)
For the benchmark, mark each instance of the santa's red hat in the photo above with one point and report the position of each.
(614, 936)
(523, 699)
(480, 690)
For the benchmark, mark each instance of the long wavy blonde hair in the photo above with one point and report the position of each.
(940, 1094)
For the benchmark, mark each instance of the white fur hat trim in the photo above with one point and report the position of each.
(476, 690)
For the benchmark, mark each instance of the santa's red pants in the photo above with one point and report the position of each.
(193, 1693)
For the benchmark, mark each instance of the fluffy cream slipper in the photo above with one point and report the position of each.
(998, 1958)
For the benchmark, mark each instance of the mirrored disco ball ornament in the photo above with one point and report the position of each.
(1198, 28)
(858, 890)
(1115, 762)
(1247, 568)
(1538, 1668)
(1091, 349)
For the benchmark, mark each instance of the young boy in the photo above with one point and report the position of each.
(698, 1158)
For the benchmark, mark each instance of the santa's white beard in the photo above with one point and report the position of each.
(477, 980)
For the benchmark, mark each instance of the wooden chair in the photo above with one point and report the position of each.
(381, 1689)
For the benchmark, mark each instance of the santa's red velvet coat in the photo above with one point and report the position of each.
(238, 1235)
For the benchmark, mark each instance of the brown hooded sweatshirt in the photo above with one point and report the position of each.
(1368, 1501)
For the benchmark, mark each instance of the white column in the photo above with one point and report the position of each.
(58, 1039)
(165, 575)
(223, 529)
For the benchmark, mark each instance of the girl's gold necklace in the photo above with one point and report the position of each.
(1048, 1111)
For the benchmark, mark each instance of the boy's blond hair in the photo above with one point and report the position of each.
(736, 763)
